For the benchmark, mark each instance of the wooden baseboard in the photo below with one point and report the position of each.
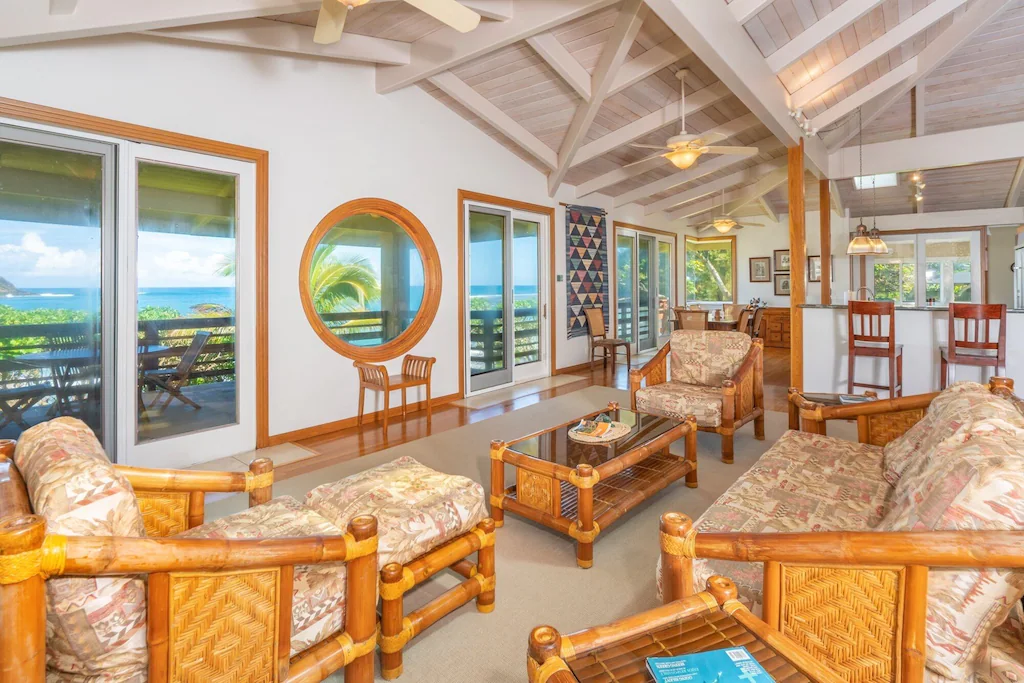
(348, 422)
(573, 368)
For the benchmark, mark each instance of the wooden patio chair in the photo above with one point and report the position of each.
(171, 380)
(599, 338)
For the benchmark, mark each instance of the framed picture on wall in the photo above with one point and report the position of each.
(781, 284)
(814, 269)
(781, 261)
(761, 269)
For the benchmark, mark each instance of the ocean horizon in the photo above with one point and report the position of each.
(181, 299)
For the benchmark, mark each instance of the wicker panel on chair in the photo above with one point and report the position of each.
(847, 617)
(221, 620)
(886, 427)
(165, 513)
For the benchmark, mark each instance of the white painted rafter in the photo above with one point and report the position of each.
(465, 95)
(1013, 196)
(864, 95)
(645, 125)
(736, 199)
(745, 176)
(835, 198)
(745, 10)
(767, 209)
(613, 55)
(819, 32)
(928, 59)
(278, 36)
(498, 10)
(446, 48)
(662, 55)
(562, 62)
(63, 7)
(876, 49)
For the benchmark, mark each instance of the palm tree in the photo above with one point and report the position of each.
(348, 283)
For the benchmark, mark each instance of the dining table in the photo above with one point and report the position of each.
(723, 324)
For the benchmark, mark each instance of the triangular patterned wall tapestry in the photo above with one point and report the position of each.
(586, 265)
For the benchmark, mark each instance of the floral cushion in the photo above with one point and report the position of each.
(705, 357)
(318, 592)
(957, 406)
(973, 481)
(677, 400)
(1006, 651)
(417, 508)
(95, 627)
(805, 482)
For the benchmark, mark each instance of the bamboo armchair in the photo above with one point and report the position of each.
(742, 395)
(171, 502)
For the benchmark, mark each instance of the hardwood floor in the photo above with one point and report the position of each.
(355, 442)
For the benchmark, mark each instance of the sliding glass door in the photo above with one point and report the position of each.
(643, 280)
(504, 282)
(56, 316)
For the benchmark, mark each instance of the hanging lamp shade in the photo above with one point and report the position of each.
(861, 244)
(877, 243)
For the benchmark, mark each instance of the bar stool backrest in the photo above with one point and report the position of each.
(691, 320)
(970, 328)
(872, 322)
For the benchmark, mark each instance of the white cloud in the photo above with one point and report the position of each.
(183, 263)
(43, 259)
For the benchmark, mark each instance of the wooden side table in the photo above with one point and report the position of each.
(710, 620)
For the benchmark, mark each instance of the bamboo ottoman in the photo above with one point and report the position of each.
(426, 521)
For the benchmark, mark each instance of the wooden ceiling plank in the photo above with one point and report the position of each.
(482, 107)
(650, 62)
(1013, 196)
(929, 59)
(866, 94)
(564, 64)
(832, 23)
(613, 55)
(745, 10)
(736, 200)
(705, 97)
(446, 48)
(281, 37)
(874, 50)
(747, 175)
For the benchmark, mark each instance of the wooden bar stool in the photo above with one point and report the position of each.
(974, 346)
(415, 373)
(866, 322)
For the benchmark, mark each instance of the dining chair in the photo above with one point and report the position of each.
(732, 311)
(171, 381)
(691, 320)
(971, 339)
(871, 329)
(755, 324)
(599, 338)
(743, 321)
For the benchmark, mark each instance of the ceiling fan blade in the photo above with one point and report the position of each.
(450, 12)
(732, 150)
(640, 161)
(710, 139)
(639, 146)
(751, 225)
(330, 23)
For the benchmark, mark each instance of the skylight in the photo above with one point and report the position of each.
(866, 182)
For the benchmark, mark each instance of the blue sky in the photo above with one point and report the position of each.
(485, 261)
(38, 255)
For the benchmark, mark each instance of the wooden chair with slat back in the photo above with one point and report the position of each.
(599, 338)
(415, 373)
(755, 325)
(694, 307)
(872, 333)
(691, 320)
(970, 339)
(732, 311)
(743, 321)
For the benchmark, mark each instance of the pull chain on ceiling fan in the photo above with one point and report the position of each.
(331, 22)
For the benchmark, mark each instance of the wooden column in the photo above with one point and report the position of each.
(798, 263)
(825, 209)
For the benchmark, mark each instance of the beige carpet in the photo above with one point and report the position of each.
(493, 398)
(537, 578)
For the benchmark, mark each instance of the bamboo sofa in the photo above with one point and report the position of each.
(898, 558)
(716, 376)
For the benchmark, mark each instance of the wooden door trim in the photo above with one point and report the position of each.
(735, 260)
(36, 113)
(549, 211)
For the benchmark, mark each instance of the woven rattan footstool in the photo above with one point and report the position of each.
(426, 521)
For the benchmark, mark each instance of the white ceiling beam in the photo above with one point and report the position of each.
(613, 55)
(835, 198)
(710, 204)
(562, 62)
(709, 29)
(617, 176)
(736, 199)
(747, 175)
(866, 94)
(645, 125)
(928, 59)
(820, 31)
(918, 98)
(661, 56)
(60, 7)
(498, 10)
(278, 36)
(482, 107)
(745, 10)
(702, 168)
(1013, 196)
(876, 49)
(769, 212)
(942, 150)
(446, 48)
(30, 21)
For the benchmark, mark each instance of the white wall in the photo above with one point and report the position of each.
(331, 139)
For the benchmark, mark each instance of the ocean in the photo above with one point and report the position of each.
(181, 299)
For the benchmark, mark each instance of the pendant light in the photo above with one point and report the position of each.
(866, 242)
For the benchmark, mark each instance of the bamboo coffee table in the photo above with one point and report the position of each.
(579, 488)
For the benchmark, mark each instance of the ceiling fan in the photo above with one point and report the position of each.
(333, 13)
(683, 150)
(724, 223)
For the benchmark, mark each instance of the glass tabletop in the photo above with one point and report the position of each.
(556, 446)
(837, 399)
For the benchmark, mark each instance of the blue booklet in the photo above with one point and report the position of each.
(732, 665)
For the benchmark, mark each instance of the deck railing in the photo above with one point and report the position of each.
(486, 332)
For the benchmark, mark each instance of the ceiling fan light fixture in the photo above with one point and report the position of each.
(723, 225)
(683, 158)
